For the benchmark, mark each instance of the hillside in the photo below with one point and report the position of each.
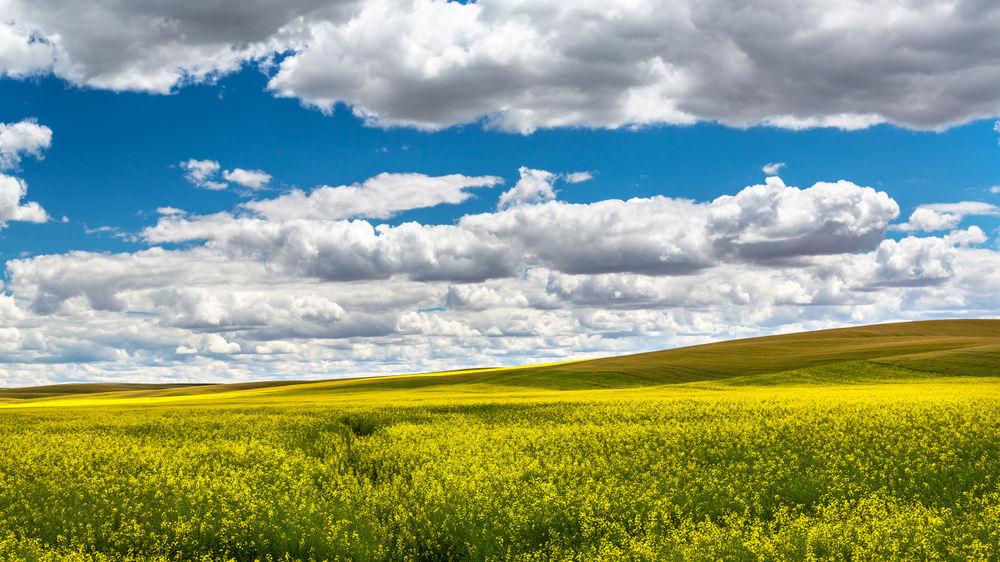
(872, 443)
(952, 347)
(936, 345)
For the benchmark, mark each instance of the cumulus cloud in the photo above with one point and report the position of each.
(945, 216)
(930, 220)
(209, 343)
(298, 291)
(773, 168)
(100, 279)
(739, 286)
(380, 197)
(775, 221)
(535, 186)
(346, 250)
(21, 53)
(481, 297)
(657, 235)
(214, 343)
(201, 173)
(120, 45)
(661, 235)
(519, 66)
(24, 138)
(921, 261)
(201, 304)
(206, 174)
(12, 191)
(252, 179)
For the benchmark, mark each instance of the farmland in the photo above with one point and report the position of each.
(863, 443)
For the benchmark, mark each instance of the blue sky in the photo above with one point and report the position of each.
(418, 208)
(113, 159)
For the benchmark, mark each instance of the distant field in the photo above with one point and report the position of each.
(871, 443)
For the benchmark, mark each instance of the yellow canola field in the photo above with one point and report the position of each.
(812, 464)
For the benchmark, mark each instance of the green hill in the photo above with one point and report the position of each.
(963, 347)
(936, 345)
(950, 347)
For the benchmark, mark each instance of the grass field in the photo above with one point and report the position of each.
(868, 443)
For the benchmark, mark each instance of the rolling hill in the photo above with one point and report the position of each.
(867, 443)
(950, 347)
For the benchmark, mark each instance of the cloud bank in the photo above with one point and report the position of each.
(312, 284)
(520, 66)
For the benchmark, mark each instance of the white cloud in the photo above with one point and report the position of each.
(774, 221)
(545, 64)
(844, 121)
(20, 139)
(660, 235)
(24, 138)
(214, 343)
(346, 250)
(930, 220)
(657, 235)
(110, 230)
(924, 261)
(945, 216)
(205, 174)
(380, 197)
(914, 261)
(120, 45)
(578, 177)
(535, 186)
(481, 297)
(964, 208)
(252, 179)
(773, 168)
(21, 54)
(519, 66)
(12, 191)
(995, 189)
(965, 238)
(203, 306)
(300, 295)
(201, 173)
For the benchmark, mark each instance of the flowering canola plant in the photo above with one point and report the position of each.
(806, 465)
